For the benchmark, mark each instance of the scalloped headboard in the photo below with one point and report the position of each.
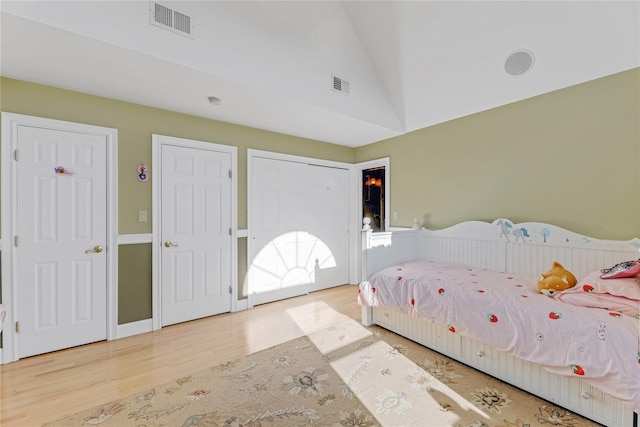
(527, 248)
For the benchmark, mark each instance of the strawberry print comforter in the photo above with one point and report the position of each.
(507, 312)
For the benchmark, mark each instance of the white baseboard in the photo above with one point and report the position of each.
(242, 304)
(134, 328)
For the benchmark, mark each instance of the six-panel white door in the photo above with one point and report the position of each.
(61, 237)
(195, 233)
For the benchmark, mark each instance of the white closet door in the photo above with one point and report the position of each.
(299, 229)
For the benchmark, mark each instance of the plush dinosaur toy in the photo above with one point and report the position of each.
(555, 280)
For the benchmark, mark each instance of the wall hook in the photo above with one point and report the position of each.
(142, 173)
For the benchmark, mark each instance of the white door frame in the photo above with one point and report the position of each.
(10, 124)
(358, 168)
(156, 149)
(354, 229)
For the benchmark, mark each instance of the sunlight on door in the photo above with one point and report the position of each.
(291, 259)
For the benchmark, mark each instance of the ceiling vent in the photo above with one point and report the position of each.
(169, 19)
(340, 85)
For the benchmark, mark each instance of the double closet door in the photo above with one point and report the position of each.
(298, 228)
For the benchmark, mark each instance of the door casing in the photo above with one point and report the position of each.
(10, 124)
(157, 142)
(358, 168)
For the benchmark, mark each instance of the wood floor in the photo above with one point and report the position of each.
(47, 387)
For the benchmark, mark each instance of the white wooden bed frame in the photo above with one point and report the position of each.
(527, 248)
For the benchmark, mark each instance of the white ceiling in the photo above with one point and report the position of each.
(409, 64)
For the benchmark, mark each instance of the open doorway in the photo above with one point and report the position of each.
(373, 194)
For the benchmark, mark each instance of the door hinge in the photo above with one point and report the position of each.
(230, 174)
(230, 232)
(17, 327)
(15, 241)
(15, 155)
(230, 290)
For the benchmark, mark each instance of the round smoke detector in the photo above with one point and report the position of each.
(519, 62)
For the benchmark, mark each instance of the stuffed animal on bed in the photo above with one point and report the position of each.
(555, 280)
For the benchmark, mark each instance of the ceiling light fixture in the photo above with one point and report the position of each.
(214, 101)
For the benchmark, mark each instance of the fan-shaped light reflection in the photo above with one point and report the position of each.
(290, 259)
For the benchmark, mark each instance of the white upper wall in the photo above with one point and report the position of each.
(409, 64)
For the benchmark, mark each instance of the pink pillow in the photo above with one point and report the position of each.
(624, 269)
(620, 295)
(613, 303)
(593, 283)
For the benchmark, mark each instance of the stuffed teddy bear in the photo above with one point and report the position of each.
(555, 280)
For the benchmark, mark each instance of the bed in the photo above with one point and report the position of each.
(493, 268)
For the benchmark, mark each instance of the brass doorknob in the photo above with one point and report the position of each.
(96, 249)
(169, 244)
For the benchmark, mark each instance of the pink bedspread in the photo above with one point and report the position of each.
(508, 313)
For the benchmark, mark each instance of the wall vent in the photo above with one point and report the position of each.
(169, 19)
(340, 85)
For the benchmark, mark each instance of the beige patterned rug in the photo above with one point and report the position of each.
(343, 376)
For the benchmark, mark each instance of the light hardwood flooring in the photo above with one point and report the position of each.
(47, 387)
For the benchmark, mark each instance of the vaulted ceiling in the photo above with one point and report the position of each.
(408, 65)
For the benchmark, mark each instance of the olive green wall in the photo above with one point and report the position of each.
(134, 280)
(569, 158)
(135, 125)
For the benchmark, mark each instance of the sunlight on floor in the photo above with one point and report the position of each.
(317, 315)
(399, 389)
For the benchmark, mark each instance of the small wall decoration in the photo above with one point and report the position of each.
(62, 171)
(142, 173)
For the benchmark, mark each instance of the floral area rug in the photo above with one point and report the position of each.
(347, 375)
